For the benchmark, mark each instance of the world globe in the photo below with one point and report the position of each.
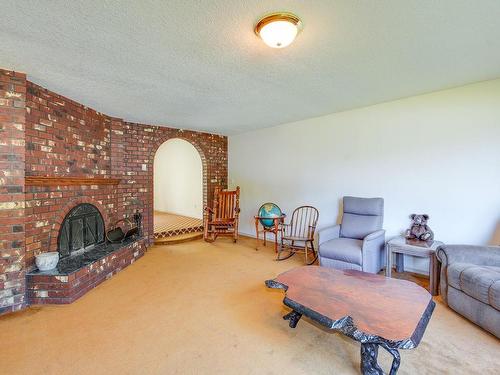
(268, 210)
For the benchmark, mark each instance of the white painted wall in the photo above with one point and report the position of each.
(178, 179)
(437, 153)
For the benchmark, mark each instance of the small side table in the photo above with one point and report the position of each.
(275, 228)
(399, 247)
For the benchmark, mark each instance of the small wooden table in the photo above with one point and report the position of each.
(372, 309)
(275, 228)
(399, 247)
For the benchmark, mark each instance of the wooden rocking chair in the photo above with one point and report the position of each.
(298, 235)
(223, 218)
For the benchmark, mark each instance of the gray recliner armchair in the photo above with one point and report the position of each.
(358, 242)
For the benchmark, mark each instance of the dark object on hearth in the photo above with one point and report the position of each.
(115, 235)
(419, 233)
(123, 229)
(138, 222)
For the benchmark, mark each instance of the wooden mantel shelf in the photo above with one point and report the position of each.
(65, 181)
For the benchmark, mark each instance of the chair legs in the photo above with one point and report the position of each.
(290, 250)
(211, 232)
(236, 231)
(289, 255)
(280, 250)
(314, 253)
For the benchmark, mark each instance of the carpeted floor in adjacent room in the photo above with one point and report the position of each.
(199, 308)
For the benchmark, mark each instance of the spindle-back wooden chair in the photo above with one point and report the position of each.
(298, 235)
(223, 217)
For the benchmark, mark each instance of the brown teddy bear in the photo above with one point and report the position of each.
(419, 230)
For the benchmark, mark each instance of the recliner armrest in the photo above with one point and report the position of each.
(328, 233)
(372, 251)
(374, 235)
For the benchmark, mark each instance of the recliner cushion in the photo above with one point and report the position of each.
(364, 206)
(359, 226)
(479, 282)
(343, 249)
(361, 217)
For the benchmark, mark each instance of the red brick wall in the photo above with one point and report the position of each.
(63, 138)
(140, 143)
(12, 123)
(46, 134)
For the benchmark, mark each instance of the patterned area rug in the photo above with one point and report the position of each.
(167, 224)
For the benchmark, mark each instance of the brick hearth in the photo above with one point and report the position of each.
(60, 288)
(44, 134)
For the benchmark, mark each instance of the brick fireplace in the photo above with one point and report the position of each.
(56, 154)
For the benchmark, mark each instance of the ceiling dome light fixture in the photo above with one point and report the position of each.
(278, 30)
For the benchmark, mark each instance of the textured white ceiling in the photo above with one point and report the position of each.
(198, 65)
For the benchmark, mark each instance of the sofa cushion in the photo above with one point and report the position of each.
(495, 295)
(454, 272)
(479, 282)
(343, 249)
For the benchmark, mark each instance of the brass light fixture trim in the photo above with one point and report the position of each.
(277, 17)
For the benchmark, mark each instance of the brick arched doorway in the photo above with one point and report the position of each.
(179, 188)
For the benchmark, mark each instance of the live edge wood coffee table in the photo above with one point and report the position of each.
(372, 309)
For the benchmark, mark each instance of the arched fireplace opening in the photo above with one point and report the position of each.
(82, 229)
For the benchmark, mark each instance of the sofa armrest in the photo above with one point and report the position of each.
(449, 254)
(373, 251)
(480, 255)
(328, 233)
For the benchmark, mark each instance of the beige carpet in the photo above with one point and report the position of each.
(198, 308)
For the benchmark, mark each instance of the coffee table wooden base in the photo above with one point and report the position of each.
(369, 345)
(369, 364)
(369, 351)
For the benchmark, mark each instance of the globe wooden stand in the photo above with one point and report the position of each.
(275, 228)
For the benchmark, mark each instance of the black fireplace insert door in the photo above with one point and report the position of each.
(82, 228)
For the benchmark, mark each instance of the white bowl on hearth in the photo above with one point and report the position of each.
(47, 261)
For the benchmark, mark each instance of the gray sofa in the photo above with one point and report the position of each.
(470, 283)
(357, 243)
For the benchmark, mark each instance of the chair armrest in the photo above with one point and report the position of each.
(328, 233)
(311, 231)
(208, 213)
(372, 251)
(480, 255)
(284, 228)
(374, 236)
